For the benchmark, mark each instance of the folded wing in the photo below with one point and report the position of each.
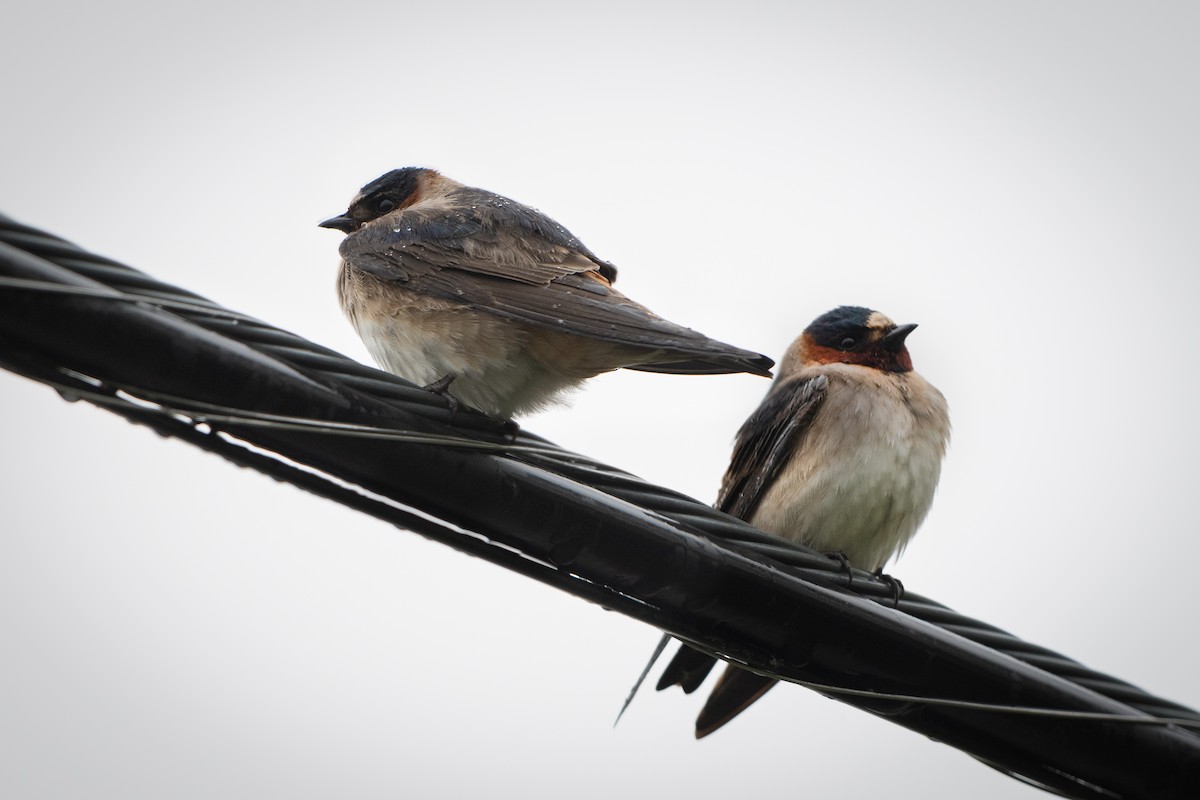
(764, 445)
(504, 258)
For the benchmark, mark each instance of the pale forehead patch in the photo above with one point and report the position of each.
(878, 321)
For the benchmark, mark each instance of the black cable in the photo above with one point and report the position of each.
(701, 518)
(253, 367)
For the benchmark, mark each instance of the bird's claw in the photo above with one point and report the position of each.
(441, 387)
(894, 583)
(840, 557)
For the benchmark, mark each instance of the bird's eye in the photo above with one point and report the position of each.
(385, 205)
(848, 343)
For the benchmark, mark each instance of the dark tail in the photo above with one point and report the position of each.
(717, 364)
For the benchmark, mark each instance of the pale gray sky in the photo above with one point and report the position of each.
(1019, 178)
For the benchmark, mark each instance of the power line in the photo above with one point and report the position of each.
(270, 400)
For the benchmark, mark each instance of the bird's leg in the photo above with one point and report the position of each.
(840, 557)
(442, 387)
(896, 586)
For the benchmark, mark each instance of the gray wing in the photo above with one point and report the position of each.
(474, 232)
(499, 256)
(765, 443)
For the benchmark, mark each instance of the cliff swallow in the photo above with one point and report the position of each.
(842, 455)
(451, 286)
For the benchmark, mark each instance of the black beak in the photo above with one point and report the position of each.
(894, 339)
(343, 223)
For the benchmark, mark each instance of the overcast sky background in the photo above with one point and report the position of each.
(1019, 178)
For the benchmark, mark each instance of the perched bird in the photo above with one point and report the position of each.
(843, 455)
(470, 292)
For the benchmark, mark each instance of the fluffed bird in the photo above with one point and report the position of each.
(842, 455)
(466, 291)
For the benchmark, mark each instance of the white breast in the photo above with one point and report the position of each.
(864, 474)
(498, 367)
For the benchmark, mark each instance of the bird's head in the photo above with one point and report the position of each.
(854, 335)
(394, 190)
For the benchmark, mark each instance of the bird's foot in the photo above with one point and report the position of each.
(840, 557)
(441, 387)
(896, 586)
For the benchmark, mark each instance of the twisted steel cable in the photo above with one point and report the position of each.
(386, 396)
(696, 516)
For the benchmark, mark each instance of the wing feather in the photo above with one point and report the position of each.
(767, 441)
(499, 256)
(764, 445)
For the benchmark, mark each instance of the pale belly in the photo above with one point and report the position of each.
(490, 358)
(865, 492)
